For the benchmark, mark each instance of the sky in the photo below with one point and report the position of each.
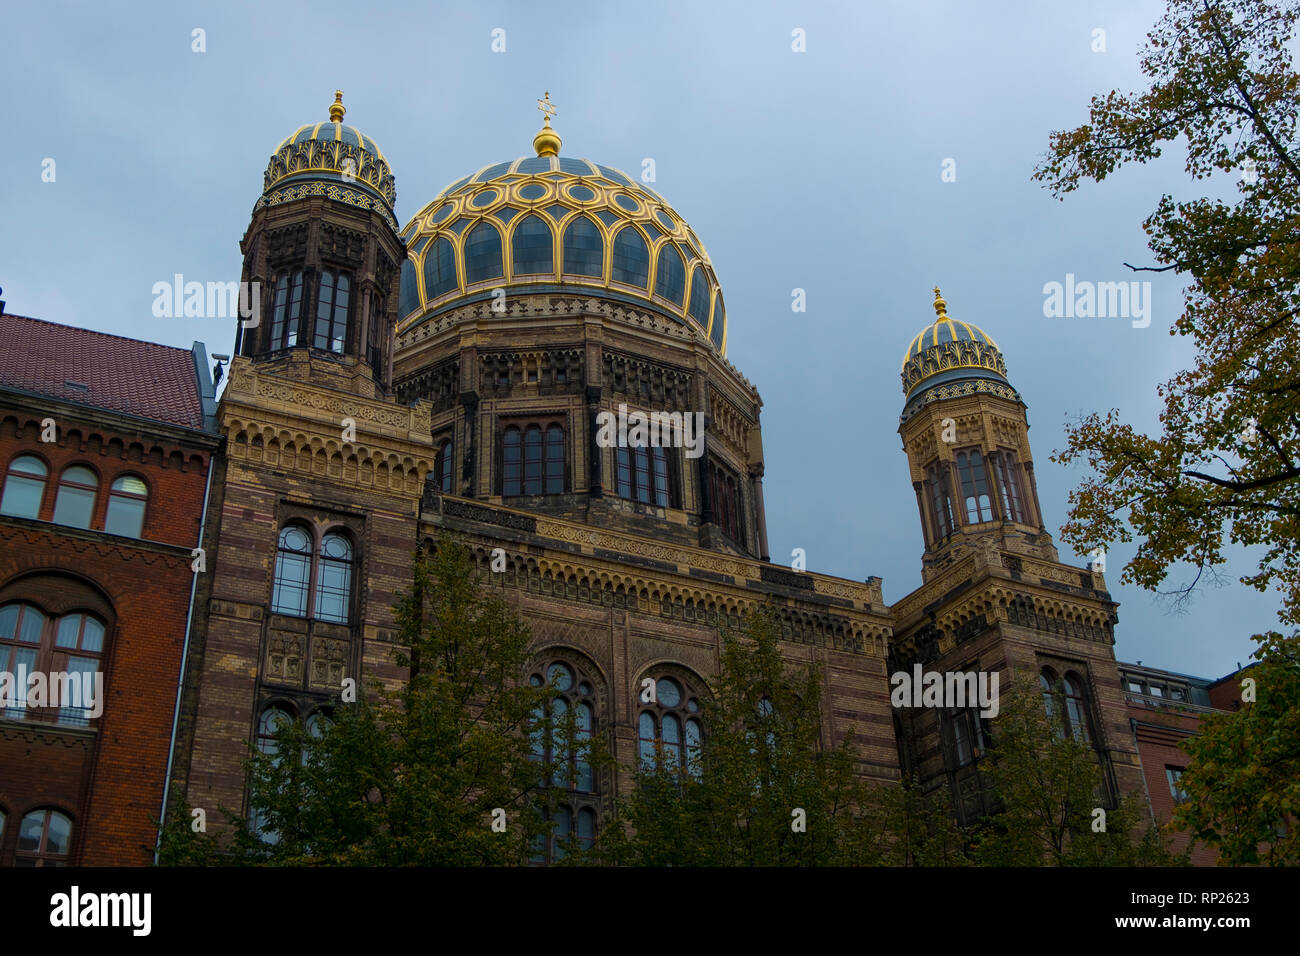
(892, 154)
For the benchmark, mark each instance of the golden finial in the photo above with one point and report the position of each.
(547, 141)
(337, 109)
(940, 306)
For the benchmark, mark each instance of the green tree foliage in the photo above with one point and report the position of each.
(410, 776)
(1226, 466)
(765, 790)
(1244, 778)
(1050, 786)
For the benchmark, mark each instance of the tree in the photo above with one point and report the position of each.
(1054, 797)
(764, 791)
(1226, 467)
(1227, 464)
(1243, 780)
(417, 775)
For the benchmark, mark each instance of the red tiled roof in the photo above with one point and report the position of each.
(123, 375)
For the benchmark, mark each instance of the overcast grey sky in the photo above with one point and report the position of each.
(818, 170)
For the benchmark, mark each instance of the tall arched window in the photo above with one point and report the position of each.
(718, 326)
(584, 250)
(561, 738)
(532, 460)
(533, 247)
(940, 499)
(292, 572)
(286, 311)
(332, 312)
(75, 502)
(44, 839)
(727, 510)
(24, 487)
(669, 729)
(270, 722)
(483, 254)
(1008, 480)
(78, 647)
(1066, 703)
(127, 498)
(974, 487)
(439, 269)
(442, 468)
(699, 310)
(334, 579)
(631, 258)
(670, 276)
(21, 630)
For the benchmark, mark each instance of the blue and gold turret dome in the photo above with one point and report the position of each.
(552, 223)
(333, 160)
(950, 358)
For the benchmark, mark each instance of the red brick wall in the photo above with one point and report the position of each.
(109, 779)
(1159, 732)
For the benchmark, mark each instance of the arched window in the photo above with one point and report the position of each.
(561, 737)
(584, 250)
(483, 254)
(644, 475)
(270, 722)
(439, 269)
(669, 731)
(442, 468)
(334, 579)
(533, 247)
(332, 312)
(408, 296)
(631, 259)
(78, 646)
(699, 309)
(126, 502)
(533, 460)
(75, 502)
(670, 276)
(718, 329)
(1005, 471)
(1076, 708)
(21, 629)
(727, 510)
(286, 311)
(292, 572)
(24, 487)
(940, 499)
(1066, 704)
(44, 839)
(974, 487)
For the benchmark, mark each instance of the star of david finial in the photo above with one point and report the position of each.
(547, 108)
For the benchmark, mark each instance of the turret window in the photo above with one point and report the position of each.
(332, 312)
(1006, 472)
(940, 500)
(286, 311)
(976, 500)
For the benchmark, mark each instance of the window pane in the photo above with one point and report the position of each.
(670, 277)
(699, 308)
(73, 506)
(560, 676)
(69, 629)
(586, 828)
(439, 269)
(125, 516)
(29, 831)
(584, 249)
(646, 733)
(24, 487)
(631, 259)
(291, 576)
(20, 658)
(334, 579)
(483, 253)
(92, 636)
(533, 247)
(668, 692)
(87, 687)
